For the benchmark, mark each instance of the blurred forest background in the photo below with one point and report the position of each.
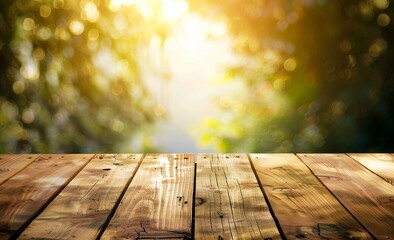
(312, 75)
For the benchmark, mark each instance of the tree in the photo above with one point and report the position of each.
(69, 72)
(316, 76)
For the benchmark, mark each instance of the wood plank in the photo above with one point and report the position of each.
(229, 201)
(368, 197)
(83, 206)
(380, 164)
(303, 206)
(11, 164)
(23, 196)
(158, 202)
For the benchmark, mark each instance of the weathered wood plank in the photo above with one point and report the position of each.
(11, 164)
(367, 196)
(158, 202)
(229, 201)
(24, 195)
(302, 205)
(83, 206)
(380, 164)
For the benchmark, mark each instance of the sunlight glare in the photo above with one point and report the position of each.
(164, 161)
(170, 9)
(174, 8)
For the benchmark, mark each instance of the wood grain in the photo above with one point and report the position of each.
(23, 196)
(11, 164)
(367, 196)
(158, 202)
(229, 202)
(85, 203)
(302, 205)
(380, 164)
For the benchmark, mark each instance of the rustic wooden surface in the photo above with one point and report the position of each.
(11, 164)
(380, 164)
(82, 207)
(159, 200)
(211, 196)
(367, 196)
(24, 195)
(303, 206)
(229, 202)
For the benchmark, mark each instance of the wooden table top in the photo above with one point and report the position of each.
(203, 196)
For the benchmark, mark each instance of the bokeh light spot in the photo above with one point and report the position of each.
(62, 34)
(93, 34)
(381, 4)
(90, 12)
(58, 4)
(115, 5)
(117, 126)
(290, 64)
(39, 54)
(44, 33)
(28, 24)
(377, 47)
(383, 20)
(76, 27)
(18, 87)
(45, 11)
(28, 116)
(30, 71)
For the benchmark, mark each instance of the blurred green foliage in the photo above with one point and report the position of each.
(315, 76)
(70, 79)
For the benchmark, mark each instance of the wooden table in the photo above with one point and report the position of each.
(203, 196)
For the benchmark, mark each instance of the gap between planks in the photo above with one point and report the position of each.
(84, 205)
(12, 164)
(193, 214)
(229, 202)
(24, 196)
(158, 202)
(303, 205)
(380, 164)
(366, 195)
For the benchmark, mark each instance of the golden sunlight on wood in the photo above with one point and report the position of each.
(186, 196)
